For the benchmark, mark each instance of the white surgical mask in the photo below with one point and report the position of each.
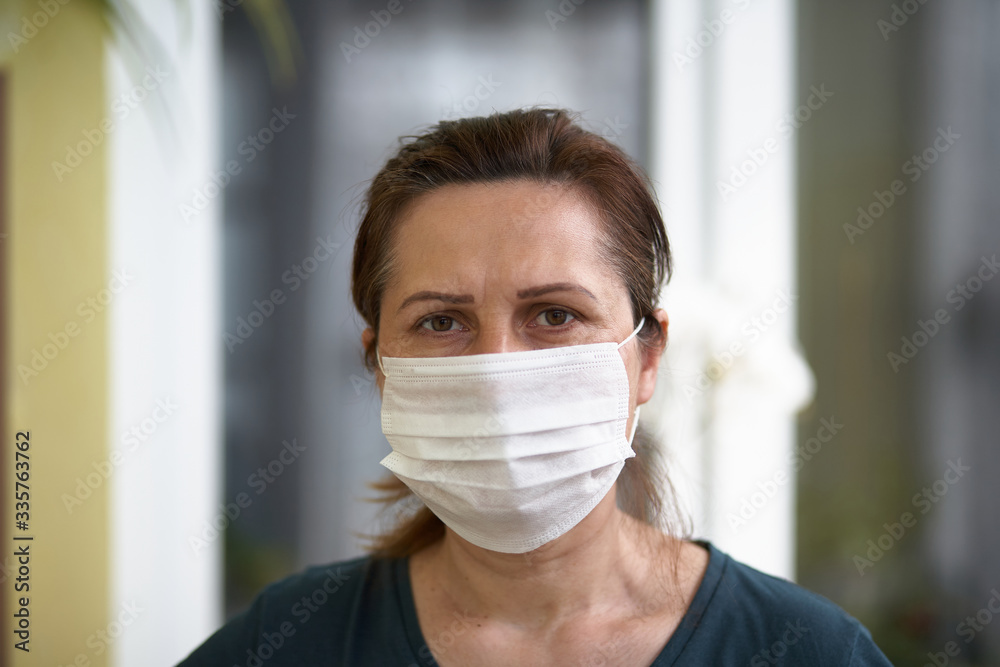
(510, 450)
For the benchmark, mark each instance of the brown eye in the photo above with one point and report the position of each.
(555, 317)
(439, 323)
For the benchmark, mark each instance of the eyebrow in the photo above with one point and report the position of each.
(528, 293)
(435, 296)
(554, 287)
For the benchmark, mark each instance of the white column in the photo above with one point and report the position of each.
(723, 162)
(166, 332)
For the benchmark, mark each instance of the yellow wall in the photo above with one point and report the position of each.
(57, 258)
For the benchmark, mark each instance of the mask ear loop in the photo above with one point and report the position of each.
(635, 424)
(634, 332)
(635, 415)
(379, 360)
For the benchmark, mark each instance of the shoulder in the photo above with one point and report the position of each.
(744, 587)
(300, 617)
(774, 621)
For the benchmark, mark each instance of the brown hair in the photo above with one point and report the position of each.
(546, 146)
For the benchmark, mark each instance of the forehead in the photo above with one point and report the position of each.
(506, 229)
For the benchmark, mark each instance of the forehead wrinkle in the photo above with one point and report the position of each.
(577, 234)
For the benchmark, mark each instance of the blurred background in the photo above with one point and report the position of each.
(179, 190)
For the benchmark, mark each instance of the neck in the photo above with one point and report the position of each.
(605, 561)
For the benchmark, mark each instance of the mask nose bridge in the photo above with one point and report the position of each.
(378, 356)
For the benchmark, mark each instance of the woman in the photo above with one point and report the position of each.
(509, 270)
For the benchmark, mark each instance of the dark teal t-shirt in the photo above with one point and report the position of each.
(361, 613)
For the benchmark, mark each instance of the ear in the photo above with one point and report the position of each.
(367, 337)
(651, 361)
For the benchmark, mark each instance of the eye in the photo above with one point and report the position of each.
(554, 317)
(440, 323)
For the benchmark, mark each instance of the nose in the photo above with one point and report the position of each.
(495, 337)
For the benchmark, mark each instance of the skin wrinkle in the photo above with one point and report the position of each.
(429, 295)
(509, 235)
(543, 191)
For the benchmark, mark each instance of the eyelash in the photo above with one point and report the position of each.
(420, 324)
(569, 312)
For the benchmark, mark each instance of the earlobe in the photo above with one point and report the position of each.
(367, 339)
(651, 359)
(647, 378)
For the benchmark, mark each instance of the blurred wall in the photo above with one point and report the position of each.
(111, 338)
(268, 131)
(56, 387)
(957, 371)
(898, 208)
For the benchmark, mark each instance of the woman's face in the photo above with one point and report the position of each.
(503, 267)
